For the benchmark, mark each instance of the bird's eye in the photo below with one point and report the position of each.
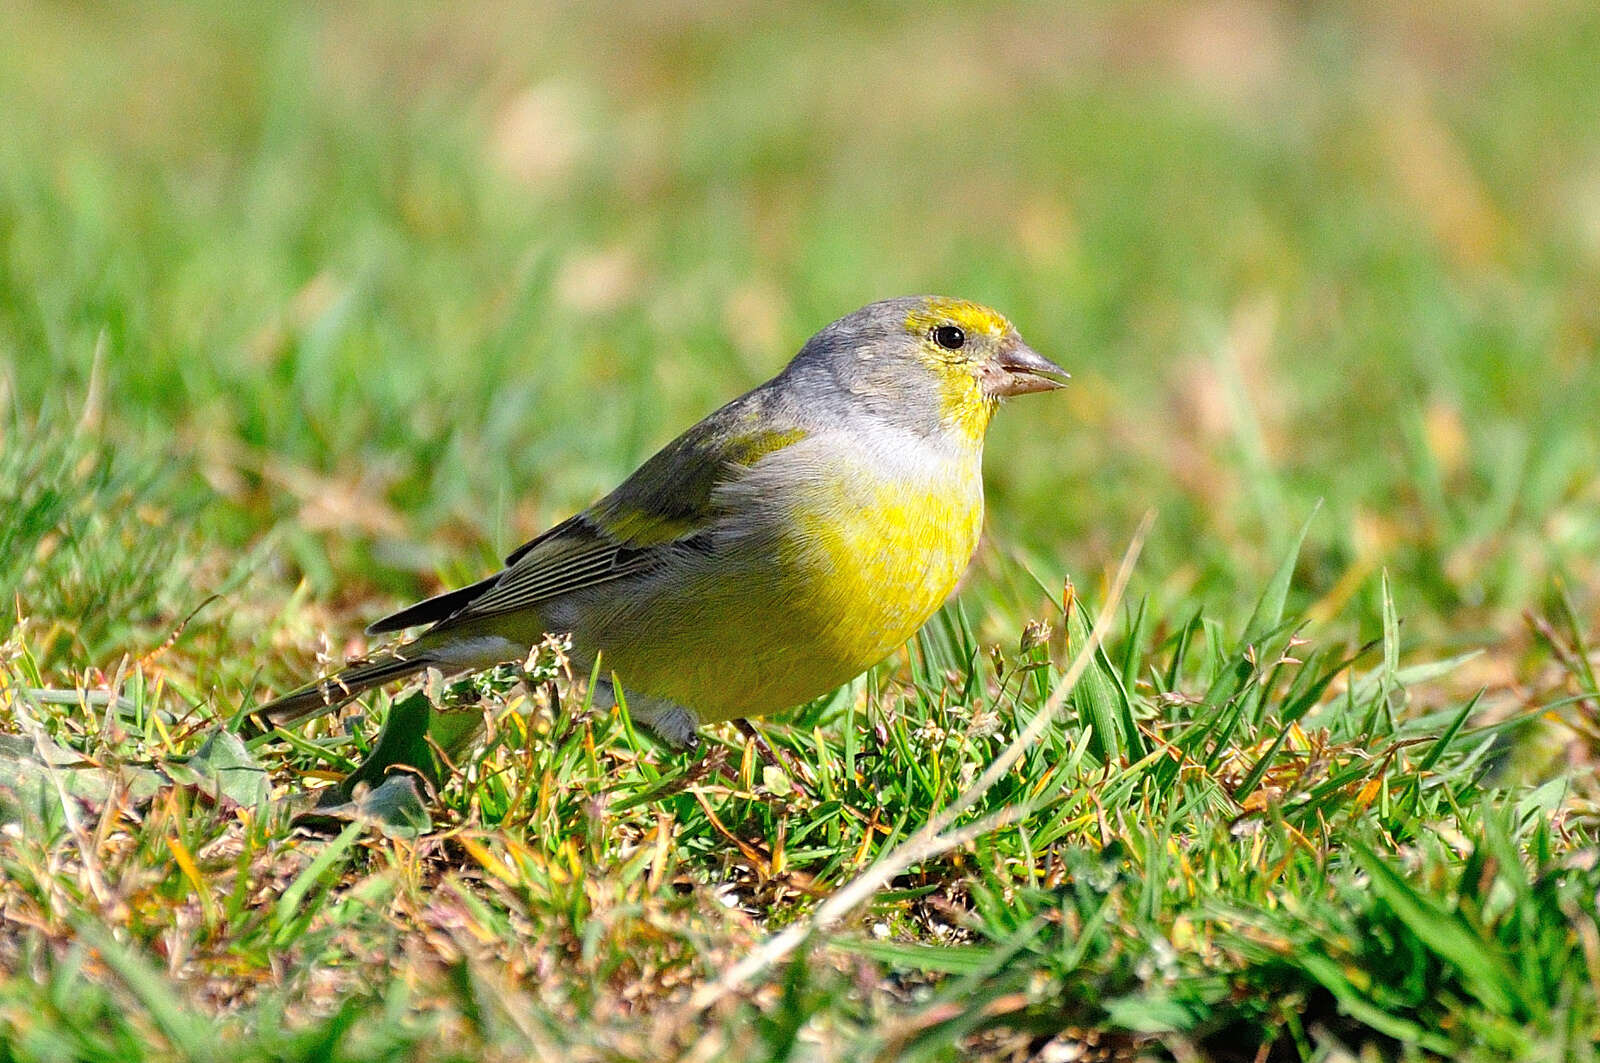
(949, 337)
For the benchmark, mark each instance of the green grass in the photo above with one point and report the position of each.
(307, 311)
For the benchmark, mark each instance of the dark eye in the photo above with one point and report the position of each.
(949, 337)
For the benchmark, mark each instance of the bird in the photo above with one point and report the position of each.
(774, 551)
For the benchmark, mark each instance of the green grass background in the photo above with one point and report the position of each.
(306, 310)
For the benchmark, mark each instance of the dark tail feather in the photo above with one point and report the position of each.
(329, 693)
(431, 611)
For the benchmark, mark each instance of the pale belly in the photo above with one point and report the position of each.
(782, 618)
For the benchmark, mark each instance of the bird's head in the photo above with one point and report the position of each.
(930, 363)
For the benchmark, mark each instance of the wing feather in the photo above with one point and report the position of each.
(667, 505)
(583, 557)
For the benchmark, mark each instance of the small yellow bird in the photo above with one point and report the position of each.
(771, 553)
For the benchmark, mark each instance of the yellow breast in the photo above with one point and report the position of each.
(873, 560)
(842, 569)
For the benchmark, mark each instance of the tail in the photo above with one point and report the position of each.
(330, 692)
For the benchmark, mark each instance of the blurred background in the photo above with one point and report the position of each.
(365, 294)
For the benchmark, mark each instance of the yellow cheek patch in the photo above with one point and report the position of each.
(962, 403)
(972, 317)
(964, 406)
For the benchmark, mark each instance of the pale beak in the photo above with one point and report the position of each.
(1019, 369)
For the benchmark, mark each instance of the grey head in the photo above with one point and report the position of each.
(935, 365)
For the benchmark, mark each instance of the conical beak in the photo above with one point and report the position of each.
(1019, 369)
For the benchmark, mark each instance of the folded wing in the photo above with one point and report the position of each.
(668, 504)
